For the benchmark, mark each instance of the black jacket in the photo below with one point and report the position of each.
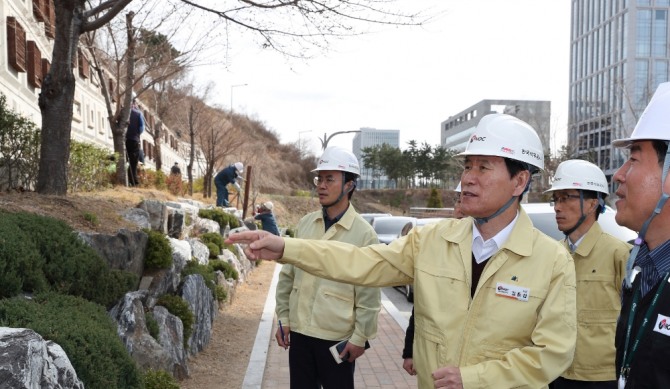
(650, 368)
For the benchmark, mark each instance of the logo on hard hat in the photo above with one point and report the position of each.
(531, 153)
(507, 150)
(598, 184)
(577, 183)
(474, 137)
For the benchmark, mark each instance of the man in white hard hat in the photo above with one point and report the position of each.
(643, 329)
(316, 313)
(578, 192)
(495, 296)
(228, 175)
(266, 216)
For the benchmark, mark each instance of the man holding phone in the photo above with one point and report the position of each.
(315, 313)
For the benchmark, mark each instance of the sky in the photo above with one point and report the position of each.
(407, 78)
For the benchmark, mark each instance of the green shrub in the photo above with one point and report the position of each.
(199, 185)
(213, 237)
(85, 332)
(152, 325)
(226, 268)
(160, 180)
(19, 149)
(51, 256)
(220, 217)
(20, 262)
(216, 239)
(290, 232)
(159, 379)
(178, 307)
(434, 200)
(91, 218)
(88, 167)
(221, 294)
(159, 252)
(214, 250)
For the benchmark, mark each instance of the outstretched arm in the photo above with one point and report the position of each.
(261, 244)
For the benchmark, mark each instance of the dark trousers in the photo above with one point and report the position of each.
(133, 150)
(221, 193)
(563, 383)
(312, 365)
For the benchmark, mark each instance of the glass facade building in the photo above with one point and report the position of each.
(371, 137)
(618, 56)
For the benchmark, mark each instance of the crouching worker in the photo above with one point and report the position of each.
(267, 218)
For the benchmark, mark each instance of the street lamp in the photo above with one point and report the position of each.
(326, 139)
(231, 94)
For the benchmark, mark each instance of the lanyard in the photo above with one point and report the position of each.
(628, 358)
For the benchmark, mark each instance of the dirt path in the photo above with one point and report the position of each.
(224, 362)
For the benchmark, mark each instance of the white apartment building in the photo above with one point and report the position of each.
(26, 32)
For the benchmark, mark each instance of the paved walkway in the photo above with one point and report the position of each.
(380, 366)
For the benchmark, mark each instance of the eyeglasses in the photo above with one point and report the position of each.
(562, 199)
(330, 180)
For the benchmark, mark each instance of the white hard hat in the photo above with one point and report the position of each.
(506, 136)
(239, 166)
(654, 124)
(458, 188)
(268, 205)
(338, 158)
(581, 175)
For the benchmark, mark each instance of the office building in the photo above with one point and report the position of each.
(371, 137)
(618, 56)
(455, 132)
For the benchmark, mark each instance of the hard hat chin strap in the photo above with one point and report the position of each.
(482, 220)
(342, 193)
(581, 218)
(643, 231)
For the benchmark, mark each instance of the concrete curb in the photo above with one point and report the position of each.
(253, 379)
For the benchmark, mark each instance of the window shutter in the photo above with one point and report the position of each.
(38, 10)
(83, 64)
(50, 18)
(16, 45)
(46, 65)
(34, 65)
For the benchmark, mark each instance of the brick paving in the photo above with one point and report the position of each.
(380, 366)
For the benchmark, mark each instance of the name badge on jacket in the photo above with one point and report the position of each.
(512, 291)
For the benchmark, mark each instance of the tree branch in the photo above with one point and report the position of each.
(113, 6)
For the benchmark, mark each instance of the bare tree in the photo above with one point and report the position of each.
(145, 61)
(309, 23)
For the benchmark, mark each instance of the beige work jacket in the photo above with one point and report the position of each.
(322, 308)
(497, 340)
(600, 265)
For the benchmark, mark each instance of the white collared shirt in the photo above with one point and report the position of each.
(573, 246)
(483, 250)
